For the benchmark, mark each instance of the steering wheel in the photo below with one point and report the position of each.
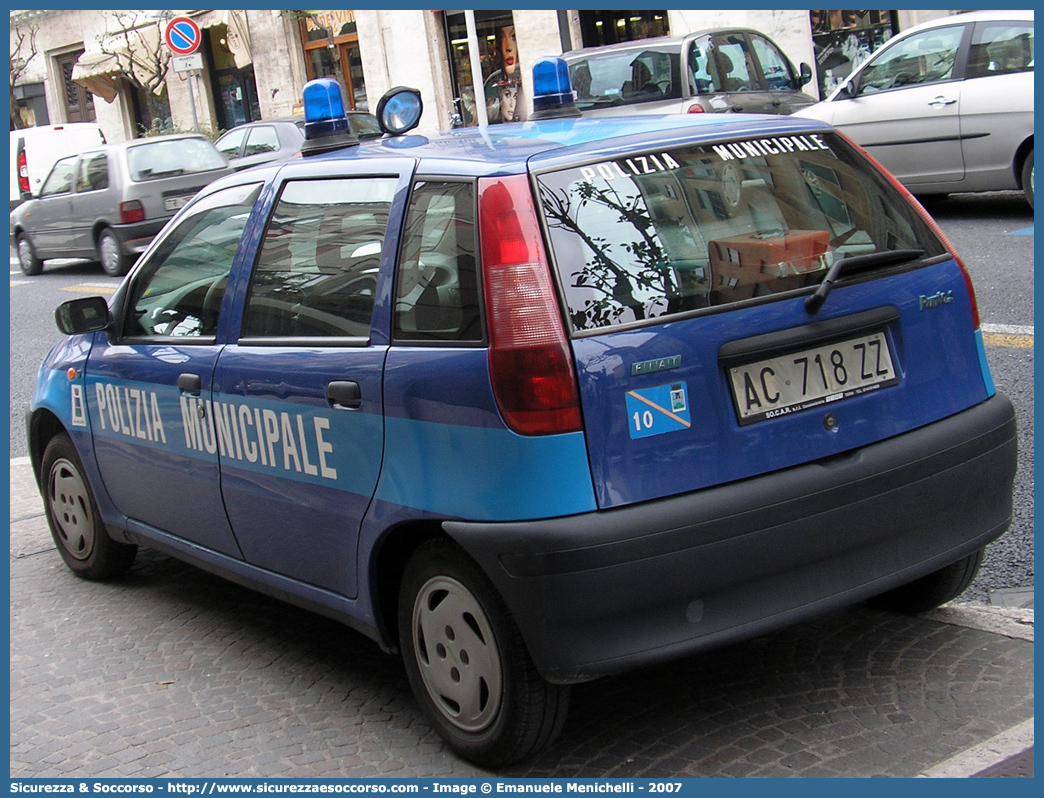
(212, 306)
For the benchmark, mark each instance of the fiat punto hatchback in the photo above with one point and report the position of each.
(537, 404)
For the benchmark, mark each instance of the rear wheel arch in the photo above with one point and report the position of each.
(96, 231)
(1021, 154)
(388, 564)
(114, 259)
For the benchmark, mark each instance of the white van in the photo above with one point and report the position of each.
(34, 151)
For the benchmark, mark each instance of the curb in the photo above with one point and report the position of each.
(995, 751)
(1013, 622)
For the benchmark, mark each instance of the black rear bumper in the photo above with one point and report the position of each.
(609, 591)
(136, 237)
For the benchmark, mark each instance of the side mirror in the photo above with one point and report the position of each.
(849, 89)
(399, 110)
(78, 316)
(806, 75)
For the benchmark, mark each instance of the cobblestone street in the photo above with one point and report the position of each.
(172, 672)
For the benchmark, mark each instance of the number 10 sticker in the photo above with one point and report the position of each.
(655, 411)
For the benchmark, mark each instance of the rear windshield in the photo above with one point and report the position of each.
(675, 231)
(627, 77)
(157, 159)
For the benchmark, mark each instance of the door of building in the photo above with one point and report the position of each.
(234, 88)
(79, 103)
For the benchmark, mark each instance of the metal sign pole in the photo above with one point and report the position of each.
(192, 102)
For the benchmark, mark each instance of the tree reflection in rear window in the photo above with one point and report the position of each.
(662, 233)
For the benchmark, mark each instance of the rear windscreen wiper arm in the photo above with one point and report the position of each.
(854, 263)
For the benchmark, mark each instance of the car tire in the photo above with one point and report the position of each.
(933, 590)
(72, 514)
(1027, 178)
(467, 663)
(114, 261)
(28, 262)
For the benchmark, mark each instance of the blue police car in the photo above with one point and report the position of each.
(541, 403)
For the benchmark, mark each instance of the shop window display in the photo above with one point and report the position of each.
(499, 63)
(843, 40)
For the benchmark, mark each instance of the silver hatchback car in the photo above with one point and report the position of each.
(947, 105)
(108, 203)
(733, 69)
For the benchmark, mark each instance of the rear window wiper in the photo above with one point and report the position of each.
(855, 263)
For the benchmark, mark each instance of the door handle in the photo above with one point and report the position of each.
(190, 384)
(344, 394)
(940, 101)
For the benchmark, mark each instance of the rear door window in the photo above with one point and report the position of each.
(436, 290)
(732, 64)
(664, 233)
(1000, 49)
(93, 172)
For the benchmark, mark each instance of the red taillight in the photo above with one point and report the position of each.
(931, 223)
(23, 172)
(529, 356)
(131, 212)
(696, 108)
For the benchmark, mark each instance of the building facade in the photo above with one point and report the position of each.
(471, 67)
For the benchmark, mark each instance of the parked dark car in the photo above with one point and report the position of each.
(109, 202)
(278, 139)
(734, 69)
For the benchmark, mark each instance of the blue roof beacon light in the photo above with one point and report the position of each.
(326, 123)
(552, 94)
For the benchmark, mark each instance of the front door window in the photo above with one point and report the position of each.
(178, 292)
(920, 59)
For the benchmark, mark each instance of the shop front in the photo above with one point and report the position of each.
(331, 49)
(495, 67)
(599, 28)
(844, 39)
(234, 87)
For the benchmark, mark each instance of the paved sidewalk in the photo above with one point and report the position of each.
(172, 672)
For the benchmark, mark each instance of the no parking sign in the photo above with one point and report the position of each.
(182, 36)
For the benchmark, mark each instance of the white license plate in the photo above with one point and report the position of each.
(174, 203)
(811, 378)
